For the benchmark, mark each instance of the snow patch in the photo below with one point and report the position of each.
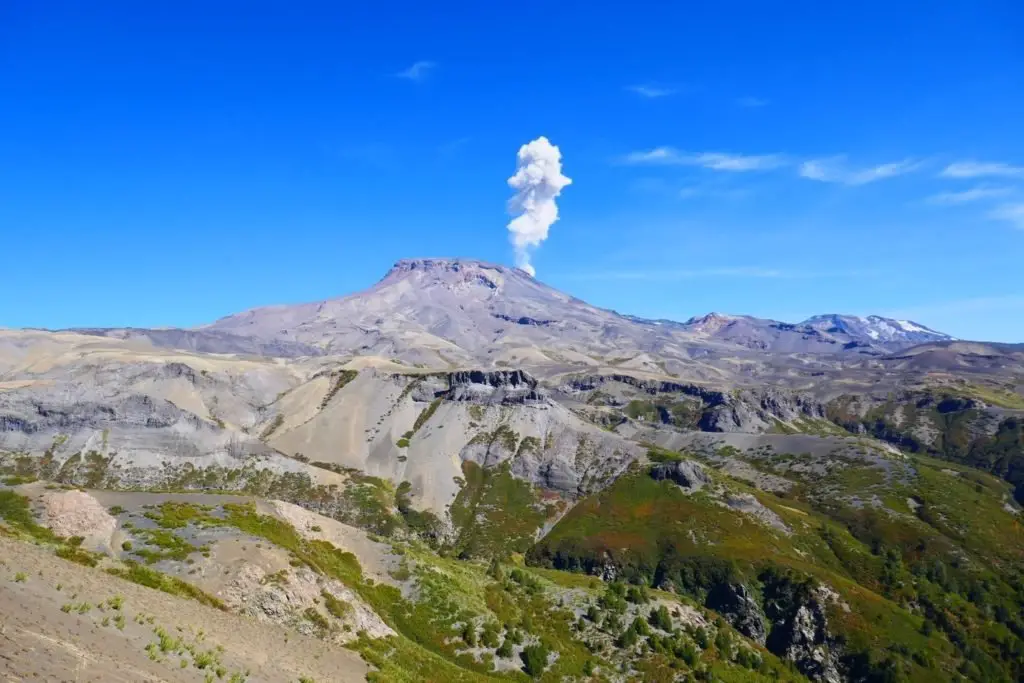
(911, 327)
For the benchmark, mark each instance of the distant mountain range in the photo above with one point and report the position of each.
(464, 310)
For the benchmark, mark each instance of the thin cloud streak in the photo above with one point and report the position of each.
(1011, 213)
(651, 92)
(834, 170)
(965, 196)
(418, 71)
(716, 161)
(981, 169)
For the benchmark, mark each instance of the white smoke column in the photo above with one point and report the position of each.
(538, 180)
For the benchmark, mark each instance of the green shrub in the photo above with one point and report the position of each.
(535, 659)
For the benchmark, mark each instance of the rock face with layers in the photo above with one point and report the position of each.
(508, 387)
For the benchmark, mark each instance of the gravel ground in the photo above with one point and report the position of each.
(41, 642)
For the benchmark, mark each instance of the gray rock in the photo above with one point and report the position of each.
(507, 387)
(737, 605)
(688, 474)
(748, 504)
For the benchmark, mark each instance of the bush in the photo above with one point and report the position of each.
(660, 618)
(505, 650)
(535, 659)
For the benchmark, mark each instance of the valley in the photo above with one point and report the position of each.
(463, 474)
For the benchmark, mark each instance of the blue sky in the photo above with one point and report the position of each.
(169, 163)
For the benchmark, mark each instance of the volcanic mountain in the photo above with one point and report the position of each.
(463, 311)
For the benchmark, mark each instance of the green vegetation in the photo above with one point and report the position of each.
(338, 381)
(952, 415)
(535, 659)
(925, 577)
(16, 513)
(337, 608)
(146, 576)
(503, 436)
(495, 514)
(994, 396)
(656, 454)
(682, 413)
(274, 425)
(427, 413)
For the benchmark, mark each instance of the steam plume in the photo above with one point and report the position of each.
(538, 180)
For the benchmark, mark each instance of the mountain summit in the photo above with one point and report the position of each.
(460, 309)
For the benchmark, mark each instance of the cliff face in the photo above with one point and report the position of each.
(507, 387)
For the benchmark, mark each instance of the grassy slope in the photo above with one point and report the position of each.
(881, 561)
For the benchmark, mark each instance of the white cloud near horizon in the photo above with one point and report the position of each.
(974, 194)
(651, 92)
(981, 169)
(418, 71)
(835, 170)
(716, 161)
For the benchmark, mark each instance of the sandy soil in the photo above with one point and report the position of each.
(40, 642)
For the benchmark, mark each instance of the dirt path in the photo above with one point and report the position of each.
(41, 642)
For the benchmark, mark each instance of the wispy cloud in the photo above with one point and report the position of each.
(1012, 213)
(716, 161)
(835, 170)
(752, 102)
(735, 272)
(981, 169)
(418, 71)
(965, 196)
(652, 92)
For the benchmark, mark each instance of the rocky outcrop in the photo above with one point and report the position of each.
(687, 473)
(735, 602)
(507, 387)
(799, 631)
(586, 383)
(759, 410)
(793, 623)
(806, 640)
(748, 410)
(748, 504)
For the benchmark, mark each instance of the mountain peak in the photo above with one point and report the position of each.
(453, 270)
(876, 328)
(451, 273)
